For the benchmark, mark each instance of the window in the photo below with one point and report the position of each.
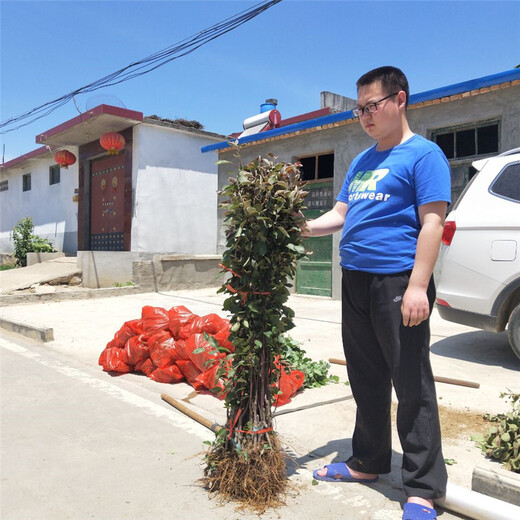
(317, 167)
(4, 186)
(507, 183)
(468, 141)
(26, 182)
(54, 174)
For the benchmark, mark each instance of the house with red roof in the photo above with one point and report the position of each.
(111, 209)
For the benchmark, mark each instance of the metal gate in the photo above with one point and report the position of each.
(107, 203)
(314, 273)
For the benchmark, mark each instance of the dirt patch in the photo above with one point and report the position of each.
(456, 424)
(459, 424)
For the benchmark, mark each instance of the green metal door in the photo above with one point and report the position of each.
(314, 273)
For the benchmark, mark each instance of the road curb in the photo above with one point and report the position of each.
(41, 334)
(29, 298)
(497, 483)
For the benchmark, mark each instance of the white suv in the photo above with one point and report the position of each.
(478, 271)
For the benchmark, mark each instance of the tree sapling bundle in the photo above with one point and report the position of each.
(262, 207)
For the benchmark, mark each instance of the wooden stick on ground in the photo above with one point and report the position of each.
(214, 427)
(438, 379)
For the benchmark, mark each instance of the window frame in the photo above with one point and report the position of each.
(52, 171)
(26, 182)
(316, 166)
(475, 125)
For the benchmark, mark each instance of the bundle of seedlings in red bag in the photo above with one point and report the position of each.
(177, 345)
(170, 346)
(262, 206)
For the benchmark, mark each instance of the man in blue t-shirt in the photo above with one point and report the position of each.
(391, 209)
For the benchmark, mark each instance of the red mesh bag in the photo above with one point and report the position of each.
(158, 337)
(211, 324)
(179, 320)
(129, 329)
(210, 381)
(191, 372)
(162, 346)
(288, 384)
(205, 359)
(222, 338)
(171, 374)
(154, 319)
(146, 367)
(179, 351)
(111, 361)
(135, 350)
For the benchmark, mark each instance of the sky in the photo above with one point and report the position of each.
(291, 52)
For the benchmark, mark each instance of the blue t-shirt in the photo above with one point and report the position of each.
(383, 191)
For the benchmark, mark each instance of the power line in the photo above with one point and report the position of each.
(144, 66)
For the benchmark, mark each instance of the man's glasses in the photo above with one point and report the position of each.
(370, 108)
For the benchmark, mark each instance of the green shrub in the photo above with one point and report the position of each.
(316, 372)
(502, 440)
(123, 284)
(25, 242)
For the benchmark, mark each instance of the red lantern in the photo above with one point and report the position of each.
(64, 158)
(112, 142)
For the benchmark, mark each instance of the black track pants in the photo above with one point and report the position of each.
(381, 351)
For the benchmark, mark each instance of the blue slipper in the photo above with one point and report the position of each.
(339, 472)
(418, 512)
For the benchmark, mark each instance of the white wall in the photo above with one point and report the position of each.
(51, 206)
(175, 198)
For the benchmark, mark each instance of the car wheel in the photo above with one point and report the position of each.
(513, 330)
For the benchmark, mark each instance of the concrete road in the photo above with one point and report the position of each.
(78, 443)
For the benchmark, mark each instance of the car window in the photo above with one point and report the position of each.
(507, 184)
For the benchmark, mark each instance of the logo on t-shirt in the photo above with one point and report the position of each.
(364, 185)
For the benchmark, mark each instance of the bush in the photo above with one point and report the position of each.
(502, 441)
(316, 372)
(25, 242)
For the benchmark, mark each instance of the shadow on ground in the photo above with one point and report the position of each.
(485, 348)
(389, 485)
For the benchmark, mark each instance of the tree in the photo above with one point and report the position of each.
(263, 216)
(25, 242)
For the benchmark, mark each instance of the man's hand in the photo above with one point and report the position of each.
(302, 223)
(415, 307)
(325, 224)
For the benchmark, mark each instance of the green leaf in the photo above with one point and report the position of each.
(244, 176)
(314, 482)
(283, 231)
(450, 462)
(262, 248)
(235, 327)
(199, 350)
(297, 248)
(253, 307)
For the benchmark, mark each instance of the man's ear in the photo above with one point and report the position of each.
(401, 98)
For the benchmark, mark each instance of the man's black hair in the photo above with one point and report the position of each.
(392, 80)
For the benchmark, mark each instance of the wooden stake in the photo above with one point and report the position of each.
(438, 379)
(214, 427)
